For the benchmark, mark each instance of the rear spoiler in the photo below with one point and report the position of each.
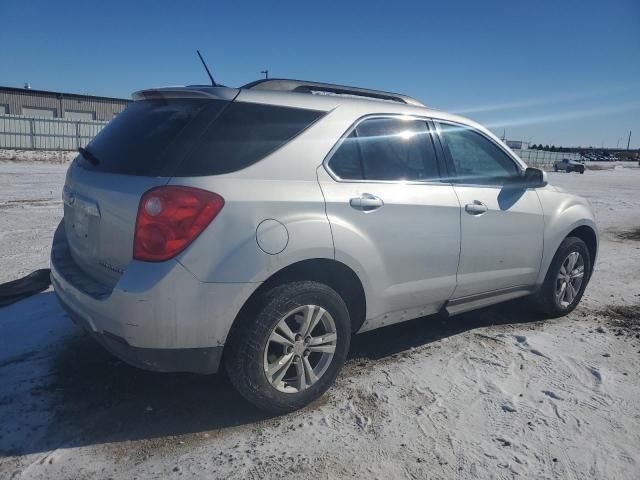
(196, 91)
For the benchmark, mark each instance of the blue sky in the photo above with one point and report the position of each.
(559, 72)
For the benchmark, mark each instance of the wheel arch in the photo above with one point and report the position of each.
(331, 272)
(585, 230)
(565, 215)
(588, 236)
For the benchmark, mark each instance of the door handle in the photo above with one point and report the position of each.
(476, 208)
(366, 202)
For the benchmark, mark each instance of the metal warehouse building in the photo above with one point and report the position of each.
(42, 103)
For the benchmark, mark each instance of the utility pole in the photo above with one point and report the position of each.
(266, 73)
(629, 140)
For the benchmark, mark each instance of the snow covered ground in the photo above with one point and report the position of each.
(30, 210)
(490, 394)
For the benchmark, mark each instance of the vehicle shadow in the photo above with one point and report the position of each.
(402, 337)
(509, 196)
(93, 398)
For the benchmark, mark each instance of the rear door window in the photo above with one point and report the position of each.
(346, 162)
(390, 148)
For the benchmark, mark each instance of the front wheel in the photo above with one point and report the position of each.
(566, 279)
(291, 351)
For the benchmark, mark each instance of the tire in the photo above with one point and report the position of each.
(254, 346)
(581, 172)
(546, 300)
(555, 169)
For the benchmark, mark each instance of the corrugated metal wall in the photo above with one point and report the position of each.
(103, 108)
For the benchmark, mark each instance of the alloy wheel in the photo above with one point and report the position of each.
(569, 279)
(300, 349)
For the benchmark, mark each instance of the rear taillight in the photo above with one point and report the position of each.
(170, 218)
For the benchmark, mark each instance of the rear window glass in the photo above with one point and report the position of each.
(135, 141)
(193, 137)
(243, 134)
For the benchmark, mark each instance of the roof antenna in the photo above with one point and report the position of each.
(213, 82)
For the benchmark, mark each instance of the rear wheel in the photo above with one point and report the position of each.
(291, 351)
(566, 278)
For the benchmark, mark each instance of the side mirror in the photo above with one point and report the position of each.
(535, 178)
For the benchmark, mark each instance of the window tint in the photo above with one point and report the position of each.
(135, 141)
(345, 161)
(387, 149)
(475, 158)
(244, 134)
(193, 137)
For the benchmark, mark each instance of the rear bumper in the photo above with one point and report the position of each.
(158, 316)
(194, 360)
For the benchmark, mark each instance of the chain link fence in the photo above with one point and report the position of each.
(34, 133)
(542, 158)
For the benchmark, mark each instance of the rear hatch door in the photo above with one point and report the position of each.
(137, 151)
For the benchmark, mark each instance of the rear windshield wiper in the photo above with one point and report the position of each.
(91, 158)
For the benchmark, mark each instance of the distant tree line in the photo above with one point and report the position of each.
(553, 148)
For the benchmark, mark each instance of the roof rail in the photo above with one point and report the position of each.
(301, 86)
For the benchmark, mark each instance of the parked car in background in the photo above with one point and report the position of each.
(568, 166)
(256, 229)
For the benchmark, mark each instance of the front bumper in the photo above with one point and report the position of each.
(158, 316)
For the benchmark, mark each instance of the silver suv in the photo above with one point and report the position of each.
(259, 228)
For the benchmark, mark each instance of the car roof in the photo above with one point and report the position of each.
(342, 111)
(320, 88)
(295, 93)
(310, 95)
(359, 106)
(363, 105)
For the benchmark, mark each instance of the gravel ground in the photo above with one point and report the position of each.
(489, 394)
